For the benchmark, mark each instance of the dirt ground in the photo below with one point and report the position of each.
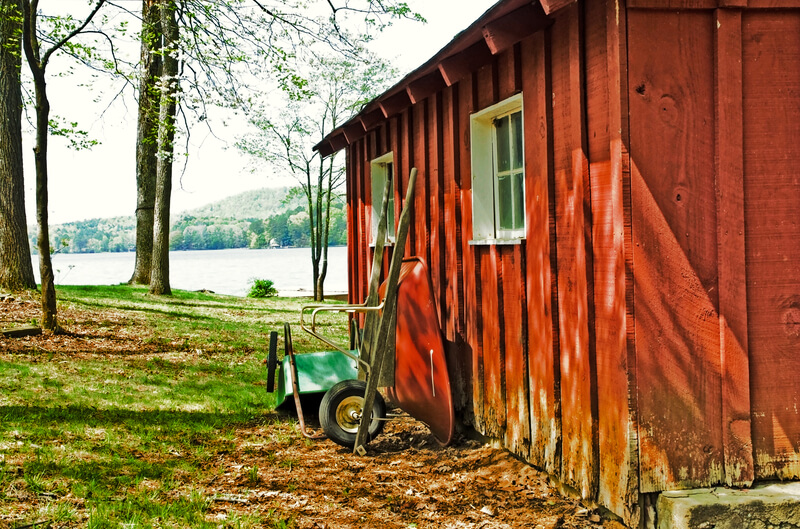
(406, 480)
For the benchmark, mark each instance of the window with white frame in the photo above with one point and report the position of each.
(382, 170)
(498, 172)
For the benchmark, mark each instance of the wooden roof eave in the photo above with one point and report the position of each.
(502, 26)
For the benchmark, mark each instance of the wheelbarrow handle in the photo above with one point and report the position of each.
(312, 330)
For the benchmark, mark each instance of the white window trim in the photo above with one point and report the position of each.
(377, 183)
(484, 181)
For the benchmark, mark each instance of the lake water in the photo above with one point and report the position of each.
(222, 271)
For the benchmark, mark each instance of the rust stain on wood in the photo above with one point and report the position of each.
(517, 434)
(571, 171)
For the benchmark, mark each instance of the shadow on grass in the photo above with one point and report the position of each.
(140, 308)
(167, 421)
(180, 298)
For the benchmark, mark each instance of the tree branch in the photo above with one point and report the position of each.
(74, 32)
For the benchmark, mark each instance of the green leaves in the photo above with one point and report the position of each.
(78, 139)
(262, 288)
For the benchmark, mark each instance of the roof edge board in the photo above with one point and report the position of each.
(551, 6)
(324, 148)
(395, 103)
(354, 130)
(456, 67)
(370, 117)
(504, 32)
(501, 26)
(338, 142)
(425, 86)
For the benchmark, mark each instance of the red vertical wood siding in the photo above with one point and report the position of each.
(466, 105)
(729, 160)
(544, 402)
(458, 354)
(494, 382)
(487, 355)
(515, 357)
(500, 305)
(607, 133)
(771, 88)
(574, 262)
(437, 245)
(451, 313)
(419, 236)
(353, 228)
(674, 217)
(404, 158)
(512, 296)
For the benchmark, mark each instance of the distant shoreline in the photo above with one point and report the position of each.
(33, 252)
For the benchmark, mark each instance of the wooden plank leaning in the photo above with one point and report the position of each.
(372, 317)
(378, 345)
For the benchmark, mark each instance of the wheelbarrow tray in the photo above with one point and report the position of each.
(316, 373)
(421, 380)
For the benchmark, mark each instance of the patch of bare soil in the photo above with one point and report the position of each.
(89, 332)
(406, 480)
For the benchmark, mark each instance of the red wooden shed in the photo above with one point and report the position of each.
(609, 204)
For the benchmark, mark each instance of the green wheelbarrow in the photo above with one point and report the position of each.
(327, 379)
(414, 374)
(401, 349)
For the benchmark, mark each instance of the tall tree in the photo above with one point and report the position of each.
(227, 44)
(169, 87)
(146, 141)
(16, 269)
(338, 88)
(37, 62)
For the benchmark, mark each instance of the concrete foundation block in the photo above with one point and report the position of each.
(768, 506)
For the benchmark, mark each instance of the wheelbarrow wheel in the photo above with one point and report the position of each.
(341, 410)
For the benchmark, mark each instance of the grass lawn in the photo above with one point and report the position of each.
(120, 423)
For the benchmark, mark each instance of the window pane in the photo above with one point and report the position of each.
(503, 146)
(519, 201)
(516, 138)
(504, 202)
(390, 206)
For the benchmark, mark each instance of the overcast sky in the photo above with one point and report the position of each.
(102, 182)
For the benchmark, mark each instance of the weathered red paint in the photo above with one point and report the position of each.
(771, 126)
(541, 292)
(515, 337)
(729, 160)
(643, 335)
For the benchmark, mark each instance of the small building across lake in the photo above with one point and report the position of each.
(609, 203)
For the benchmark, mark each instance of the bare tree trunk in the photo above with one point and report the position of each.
(38, 64)
(159, 278)
(313, 226)
(326, 228)
(146, 142)
(16, 270)
(49, 310)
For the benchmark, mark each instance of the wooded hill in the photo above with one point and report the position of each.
(248, 220)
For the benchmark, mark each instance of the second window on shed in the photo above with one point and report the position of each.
(382, 170)
(498, 172)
